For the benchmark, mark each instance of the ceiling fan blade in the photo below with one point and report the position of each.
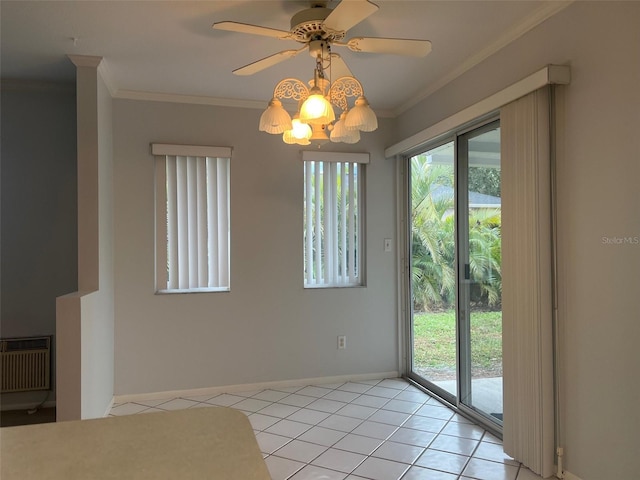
(349, 13)
(267, 62)
(338, 67)
(252, 29)
(396, 46)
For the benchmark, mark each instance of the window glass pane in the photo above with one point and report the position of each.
(433, 280)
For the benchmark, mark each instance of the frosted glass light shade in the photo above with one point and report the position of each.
(341, 133)
(287, 137)
(275, 119)
(300, 130)
(361, 117)
(316, 109)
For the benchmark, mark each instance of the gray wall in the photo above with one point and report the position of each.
(39, 235)
(268, 327)
(598, 199)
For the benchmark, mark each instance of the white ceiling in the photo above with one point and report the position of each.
(169, 47)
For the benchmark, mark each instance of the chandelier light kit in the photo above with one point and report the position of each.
(316, 116)
(319, 28)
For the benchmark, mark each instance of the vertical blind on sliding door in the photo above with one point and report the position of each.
(192, 218)
(333, 197)
(527, 281)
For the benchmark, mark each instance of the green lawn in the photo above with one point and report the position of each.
(434, 343)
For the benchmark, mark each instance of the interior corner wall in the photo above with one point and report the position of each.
(97, 313)
(598, 218)
(85, 323)
(268, 327)
(39, 233)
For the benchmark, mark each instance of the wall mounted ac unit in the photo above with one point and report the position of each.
(25, 364)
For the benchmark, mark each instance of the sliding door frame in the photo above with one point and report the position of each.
(405, 253)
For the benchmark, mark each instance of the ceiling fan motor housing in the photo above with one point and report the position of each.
(309, 25)
(320, 48)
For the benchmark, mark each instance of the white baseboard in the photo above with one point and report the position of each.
(138, 397)
(109, 407)
(570, 476)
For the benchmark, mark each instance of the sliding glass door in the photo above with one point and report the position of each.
(456, 321)
(433, 267)
(479, 253)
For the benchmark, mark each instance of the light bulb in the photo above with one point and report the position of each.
(316, 109)
(287, 137)
(300, 130)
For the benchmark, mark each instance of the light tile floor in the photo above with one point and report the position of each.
(377, 430)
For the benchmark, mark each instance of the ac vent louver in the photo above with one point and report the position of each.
(25, 364)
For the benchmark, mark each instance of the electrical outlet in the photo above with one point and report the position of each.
(342, 342)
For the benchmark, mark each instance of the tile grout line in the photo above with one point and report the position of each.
(387, 438)
(337, 441)
(385, 397)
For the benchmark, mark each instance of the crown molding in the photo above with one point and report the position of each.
(99, 63)
(190, 99)
(205, 100)
(107, 78)
(85, 60)
(546, 11)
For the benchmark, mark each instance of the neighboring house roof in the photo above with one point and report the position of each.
(476, 200)
(482, 200)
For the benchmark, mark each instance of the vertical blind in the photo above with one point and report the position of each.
(192, 222)
(332, 220)
(527, 279)
(526, 257)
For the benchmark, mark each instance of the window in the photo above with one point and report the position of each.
(192, 218)
(333, 233)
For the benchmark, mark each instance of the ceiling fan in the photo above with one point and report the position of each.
(318, 28)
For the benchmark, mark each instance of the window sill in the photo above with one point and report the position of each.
(193, 290)
(324, 287)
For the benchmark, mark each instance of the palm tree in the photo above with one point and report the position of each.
(432, 235)
(485, 256)
(433, 241)
(319, 205)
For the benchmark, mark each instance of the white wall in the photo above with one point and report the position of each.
(98, 307)
(85, 319)
(39, 242)
(267, 328)
(598, 197)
